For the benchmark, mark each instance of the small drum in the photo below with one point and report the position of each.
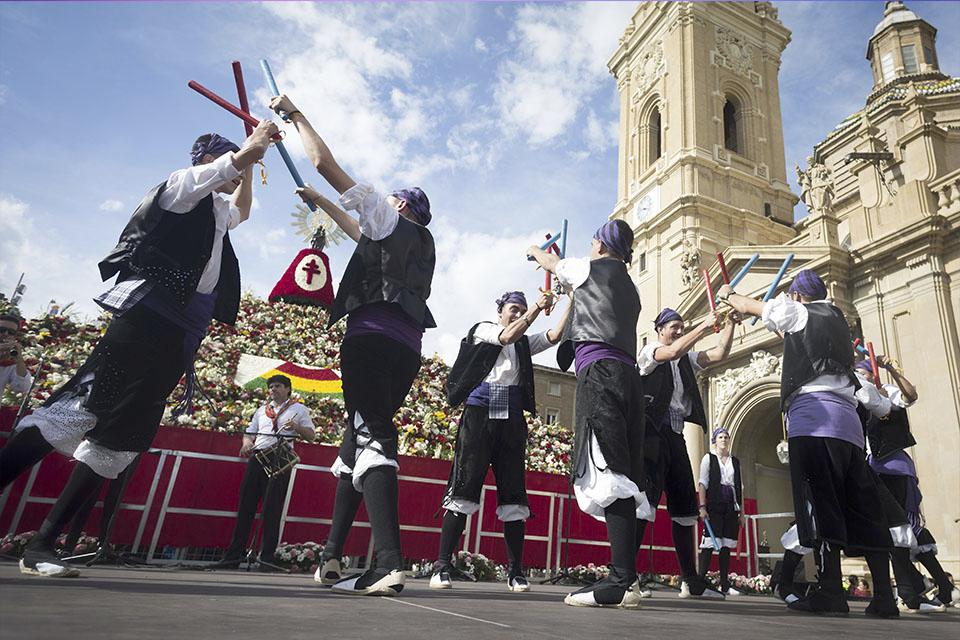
(277, 460)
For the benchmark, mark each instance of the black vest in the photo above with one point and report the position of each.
(171, 250)
(397, 269)
(605, 309)
(886, 435)
(713, 490)
(658, 384)
(474, 363)
(822, 348)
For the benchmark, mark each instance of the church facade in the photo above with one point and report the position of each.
(702, 171)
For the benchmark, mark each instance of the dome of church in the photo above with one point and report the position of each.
(895, 13)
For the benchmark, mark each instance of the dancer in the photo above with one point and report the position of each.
(888, 437)
(176, 271)
(834, 493)
(608, 448)
(273, 424)
(669, 367)
(493, 375)
(720, 494)
(383, 294)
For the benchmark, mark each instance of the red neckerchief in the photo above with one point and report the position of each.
(275, 415)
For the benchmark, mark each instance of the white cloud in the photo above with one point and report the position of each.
(559, 65)
(480, 45)
(3, 94)
(600, 135)
(52, 271)
(478, 268)
(111, 205)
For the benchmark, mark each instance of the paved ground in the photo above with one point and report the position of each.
(168, 603)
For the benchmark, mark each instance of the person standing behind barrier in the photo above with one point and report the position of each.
(493, 376)
(720, 493)
(13, 370)
(383, 294)
(275, 424)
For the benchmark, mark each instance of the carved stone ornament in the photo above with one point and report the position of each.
(735, 53)
(648, 68)
(732, 381)
(689, 264)
(816, 187)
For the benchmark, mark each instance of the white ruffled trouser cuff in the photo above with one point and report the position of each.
(596, 490)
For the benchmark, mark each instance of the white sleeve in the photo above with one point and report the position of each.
(488, 332)
(871, 399)
(377, 218)
(784, 315)
(186, 187)
(303, 417)
(254, 427)
(645, 361)
(704, 477)
(896, 396)
(18, 384)
(573, 272)
(694, 361)
(233, 219)
(538, 343)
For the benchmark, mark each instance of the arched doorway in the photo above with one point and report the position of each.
(754, 419)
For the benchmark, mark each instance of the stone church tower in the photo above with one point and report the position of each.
(702, 170)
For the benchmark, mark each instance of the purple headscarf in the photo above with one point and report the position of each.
(217, 145)
(809, 285)
(716, 432)
(511, 297)
(865, 365)
(417, 203)
(614, 234)
(665, 316)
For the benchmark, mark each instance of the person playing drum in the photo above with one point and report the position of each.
(269, 444)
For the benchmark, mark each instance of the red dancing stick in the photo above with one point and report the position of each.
(856, 343)
(242, 94)
(211, 96)
(710, 298)
(873, 364)
(723, 268)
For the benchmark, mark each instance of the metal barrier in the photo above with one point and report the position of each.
(753, 566)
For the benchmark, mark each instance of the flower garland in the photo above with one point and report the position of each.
(426, 425)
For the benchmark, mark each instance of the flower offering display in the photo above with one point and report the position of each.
(292, 333)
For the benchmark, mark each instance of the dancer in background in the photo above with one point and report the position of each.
(493, 375)
(720, 493)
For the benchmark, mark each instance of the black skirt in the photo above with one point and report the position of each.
(835, 495)
(136, 365)
(610, 406)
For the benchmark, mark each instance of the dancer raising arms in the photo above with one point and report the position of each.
(608, 448)
(493, 375)
(383, 294)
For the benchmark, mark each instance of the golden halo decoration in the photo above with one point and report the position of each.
(306, 223)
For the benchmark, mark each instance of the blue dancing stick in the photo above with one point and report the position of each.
(561, 237)
(713, 538)
(776, 282)
(287, 160)
(743, 271)
(862, 349)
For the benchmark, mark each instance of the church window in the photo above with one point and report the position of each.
(886, 66)
(929, 57)
(656, 142)
(909, 55)
(731, 134)
(642, 262)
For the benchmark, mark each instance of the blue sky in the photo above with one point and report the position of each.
(504, 113)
